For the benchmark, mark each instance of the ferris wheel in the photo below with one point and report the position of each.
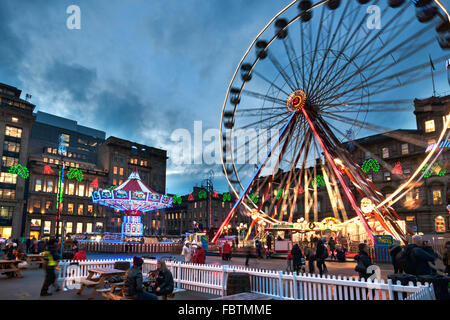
(316, 78)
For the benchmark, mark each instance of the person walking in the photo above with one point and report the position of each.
(258, 248)
(27, 245)
(199, 255)
(309, 254)
(321, 255)
(133, 287)
(186, 252)
(51, 259)
(296, 258)
(363, 261)
(248, 255)
(226, 251)
(417, 258)
(289, 262)
(332, 247)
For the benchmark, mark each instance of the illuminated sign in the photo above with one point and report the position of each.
(367, 205)
(331, 220)
(384, 240)
(283, 226)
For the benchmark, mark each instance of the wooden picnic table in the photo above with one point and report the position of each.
(10, 266)
(35, 258)
(98, 283)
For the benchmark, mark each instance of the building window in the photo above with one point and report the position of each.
(89, 227)
(14, 119)
(48, 205)
(47, 226)
(9, 161)
(439, 224)
(71, 189)
(49, 186)
(79, 227)
(6, 212)
(445, 118)
(195, 205)
(56, 161)
(429, 126)
(387, 176)
(38, 185)
(405, 148)
(115, 170)
(114, 182)
(385, 153)
(13, 132)
(120, 181)
(11, 146)
(90, 209)
(407, 172)
(91, 189)
(7, 194)
(81, 190)
(121, 171)
(70, 208)
(80, 209)
(437, 197)
(223, 204)
(36, 205)
(69, 226)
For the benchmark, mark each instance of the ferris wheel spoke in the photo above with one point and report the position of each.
(376, 128)
(281, 71)
(291, 56)
(360, 50)
(263, 97)
(272, 83)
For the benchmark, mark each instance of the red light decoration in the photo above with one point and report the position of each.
(48, 169)
(301, 190)
(191, 197)
(94, 184)
(215, 195)
(397, 169)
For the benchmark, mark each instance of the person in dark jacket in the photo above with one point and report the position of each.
(309, 254)
(321, 253)
(446, 258)
(258, 248)
(332, 247)
(363, 261)
(164, 280)
(296, 258)
(27, 245)
(133, 282)
(51, 259)
(417, 258)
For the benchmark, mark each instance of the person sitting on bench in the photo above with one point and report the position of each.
(164, 280)
(133, 282)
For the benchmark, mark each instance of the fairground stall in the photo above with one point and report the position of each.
(132, 198)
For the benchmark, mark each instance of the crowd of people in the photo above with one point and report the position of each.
(193, 253)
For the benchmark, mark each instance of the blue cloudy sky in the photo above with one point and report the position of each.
(137, 69)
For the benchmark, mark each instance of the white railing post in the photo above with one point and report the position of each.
(224, 279)
(179, 275)
(280, 285)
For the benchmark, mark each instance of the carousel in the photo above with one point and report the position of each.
(132, 198)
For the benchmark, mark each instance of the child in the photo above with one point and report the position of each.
(289, 262)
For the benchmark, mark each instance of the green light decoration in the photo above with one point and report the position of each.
(279, 193)
(370, 164)
(112, 187)
(254, 198)
(202, 194)
(318, 181)
(177, 199)
(226, 197)
(20, 170)
(75, 173)
(436, 169)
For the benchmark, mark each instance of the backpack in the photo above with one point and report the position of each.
(408, 260)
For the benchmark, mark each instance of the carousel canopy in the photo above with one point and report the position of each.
(133, 196)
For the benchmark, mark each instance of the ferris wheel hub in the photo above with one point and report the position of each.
(296, 101)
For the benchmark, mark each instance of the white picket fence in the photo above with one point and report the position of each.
(212, 279)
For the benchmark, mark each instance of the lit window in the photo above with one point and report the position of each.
(49, 150)
(439, 224)
(79, 227)
(7, 194)
(48, 205)
(45, 159)
(13, 132)
(38, 186)
(15, 119)
(47, 226)
(410, 218)
(385, 152)
(223, 204)
(70, 208)
(71, 189)
(115, 170)
(195, 204)
(405, 148)
(56, 161)
(81, 190)
(120, 182)
(114, 182)
(90, 209)
(69, 226)
(445, 118)
(429, 126)
(387, 176)
(80, 209)
(121, 171)
(51, 161)
(36, 205)
(437, 197)
(88, 227)
(9, 161)
(11, 146)
(54, 151)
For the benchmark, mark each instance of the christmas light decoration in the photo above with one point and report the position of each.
(75, 173)
(226, 197)
(370, 164)
(202, 194)
(48, 169)
(20, 170)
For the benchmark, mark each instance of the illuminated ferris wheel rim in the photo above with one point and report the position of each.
(252, 45)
